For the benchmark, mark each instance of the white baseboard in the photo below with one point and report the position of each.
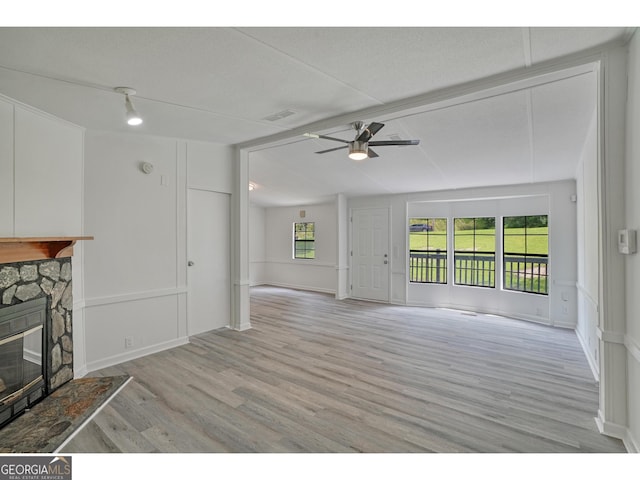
(300, 287)
(133, 354)
(81, 372)
(244, 327)
(617, 431)
(631, 444)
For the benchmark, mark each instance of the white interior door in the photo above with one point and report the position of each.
(209, 265)
(370, 254)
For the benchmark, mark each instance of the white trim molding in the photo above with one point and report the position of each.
(306, 288)
(132, 355)
(303, 262)
(617, 431)
(608, 428)
(132, 297)
(630, 443)
(81, 372)
(632, 347)
(610, 336)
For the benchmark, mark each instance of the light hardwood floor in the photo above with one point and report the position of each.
(319, 375)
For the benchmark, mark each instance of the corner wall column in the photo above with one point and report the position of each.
(342, 241)
(240, 306)
(612, 413)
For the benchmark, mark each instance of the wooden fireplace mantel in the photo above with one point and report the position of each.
(25, 249)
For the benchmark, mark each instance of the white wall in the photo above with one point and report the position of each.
(135, 269)
(131, 214)
(209, 166)
(281, 269)
(632, 262)
(552, 198)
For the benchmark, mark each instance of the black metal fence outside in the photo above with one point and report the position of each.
(521, 272)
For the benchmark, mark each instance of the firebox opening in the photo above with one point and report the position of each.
(22, 347)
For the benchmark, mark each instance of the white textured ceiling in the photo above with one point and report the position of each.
(219, 84)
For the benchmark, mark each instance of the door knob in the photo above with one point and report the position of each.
(386, 261)
(190, 263)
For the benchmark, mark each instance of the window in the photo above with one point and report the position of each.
(475, 251)
(304, 240)
(526, 253)
(428, 250)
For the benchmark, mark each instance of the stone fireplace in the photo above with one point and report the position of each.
(36, 321)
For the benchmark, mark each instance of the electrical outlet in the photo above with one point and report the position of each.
(128, 342)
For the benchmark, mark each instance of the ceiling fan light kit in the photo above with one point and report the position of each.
(358, 150)
(359, 147)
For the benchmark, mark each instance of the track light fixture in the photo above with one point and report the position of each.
(132, 116)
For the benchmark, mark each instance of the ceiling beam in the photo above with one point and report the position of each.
(519, 79)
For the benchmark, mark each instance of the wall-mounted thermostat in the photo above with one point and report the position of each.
(627, 241)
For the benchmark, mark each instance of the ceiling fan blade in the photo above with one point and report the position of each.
(369, 131)
(333, 138)
(315, 135)
(371, 153)
(332, 149)
(380, 143)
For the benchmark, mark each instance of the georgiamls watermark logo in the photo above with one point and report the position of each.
(35, 468)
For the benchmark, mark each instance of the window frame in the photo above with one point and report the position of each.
(429, 266)
(305, 241)
(527, 258)
(476, 256)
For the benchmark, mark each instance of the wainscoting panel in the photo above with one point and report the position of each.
(126, 327)
(305, 275)
(632, 439)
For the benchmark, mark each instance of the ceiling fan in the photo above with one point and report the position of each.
(359, 147)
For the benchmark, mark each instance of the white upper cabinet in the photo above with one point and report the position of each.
(6, 169)
(41, 173)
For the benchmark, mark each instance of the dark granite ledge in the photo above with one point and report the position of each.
(45, 427)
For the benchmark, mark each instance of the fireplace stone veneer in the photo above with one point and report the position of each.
(51, 279)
